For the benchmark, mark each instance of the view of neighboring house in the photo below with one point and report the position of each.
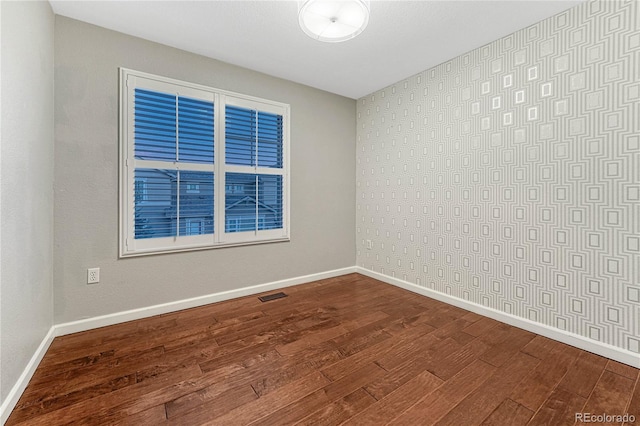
(251, 202)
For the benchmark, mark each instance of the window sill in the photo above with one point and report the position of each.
(207, 247)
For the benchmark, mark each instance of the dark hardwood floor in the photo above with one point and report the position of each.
(347, 350)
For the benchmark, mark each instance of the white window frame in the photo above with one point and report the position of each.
(129, 246)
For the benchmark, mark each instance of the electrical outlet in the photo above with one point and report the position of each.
(93, 275)
(369, 245)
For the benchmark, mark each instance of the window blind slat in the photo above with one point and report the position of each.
(270, 140)
(160, 126)
(155, 125)
(195, 130)
(253, 138)
(240, 136)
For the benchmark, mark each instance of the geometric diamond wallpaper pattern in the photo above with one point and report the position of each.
(510, 175)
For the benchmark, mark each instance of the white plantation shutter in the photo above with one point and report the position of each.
(254, 147)
(253, 138)
(173, 148)
(169, 176)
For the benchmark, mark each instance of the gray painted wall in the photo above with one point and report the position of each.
(510, 176)
(26, 188)
(86, 178)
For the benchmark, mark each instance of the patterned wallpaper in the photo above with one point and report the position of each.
(510, 176)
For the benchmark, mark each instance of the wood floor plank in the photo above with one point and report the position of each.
(538, 385)
(67, 365)
(393, 404)
(26, 410)
(622, 369)
(125, 346)
(451, 328)
(259, 325)
(346, 365)
(584, 374)
(188, 341)
(292, 368)
(72, 343)
(472, 317)
(340, 410)
(130, 394)
(372, 353)
(611, 395)
(153, 416)
(357, 379)
(362, 338)
(442, 315)
(448, 366)
(329, 333)
(509, 413)
(559, 409)
(331, 392)
(345, 349)
(541, 347)
(481, 402)
(215, 407)
(430, 408)
(230, 354)
(273, 401)
(212, 389)
(481, 326)
(133, 404)
(504, 351)
(405, 350)
(395, 378)
(295, 411)
(117, 372)
(634, 405)
(495, 335)
(402, 324)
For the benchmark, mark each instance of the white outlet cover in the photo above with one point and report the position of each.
(93, 275)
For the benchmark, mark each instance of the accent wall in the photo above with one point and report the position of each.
(509, 177)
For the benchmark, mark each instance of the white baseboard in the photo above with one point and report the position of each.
(90, 323)
(16, 391)
(134, 314)
(613, 352)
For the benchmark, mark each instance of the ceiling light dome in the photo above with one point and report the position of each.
(333, 21)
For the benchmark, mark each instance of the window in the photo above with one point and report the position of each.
(195, 227)
(200, 167)
(140, 190)
(234, 189)
(193, 188)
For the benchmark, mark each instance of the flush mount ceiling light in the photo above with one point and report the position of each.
(333, 21)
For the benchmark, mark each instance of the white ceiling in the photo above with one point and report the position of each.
(403, 37)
